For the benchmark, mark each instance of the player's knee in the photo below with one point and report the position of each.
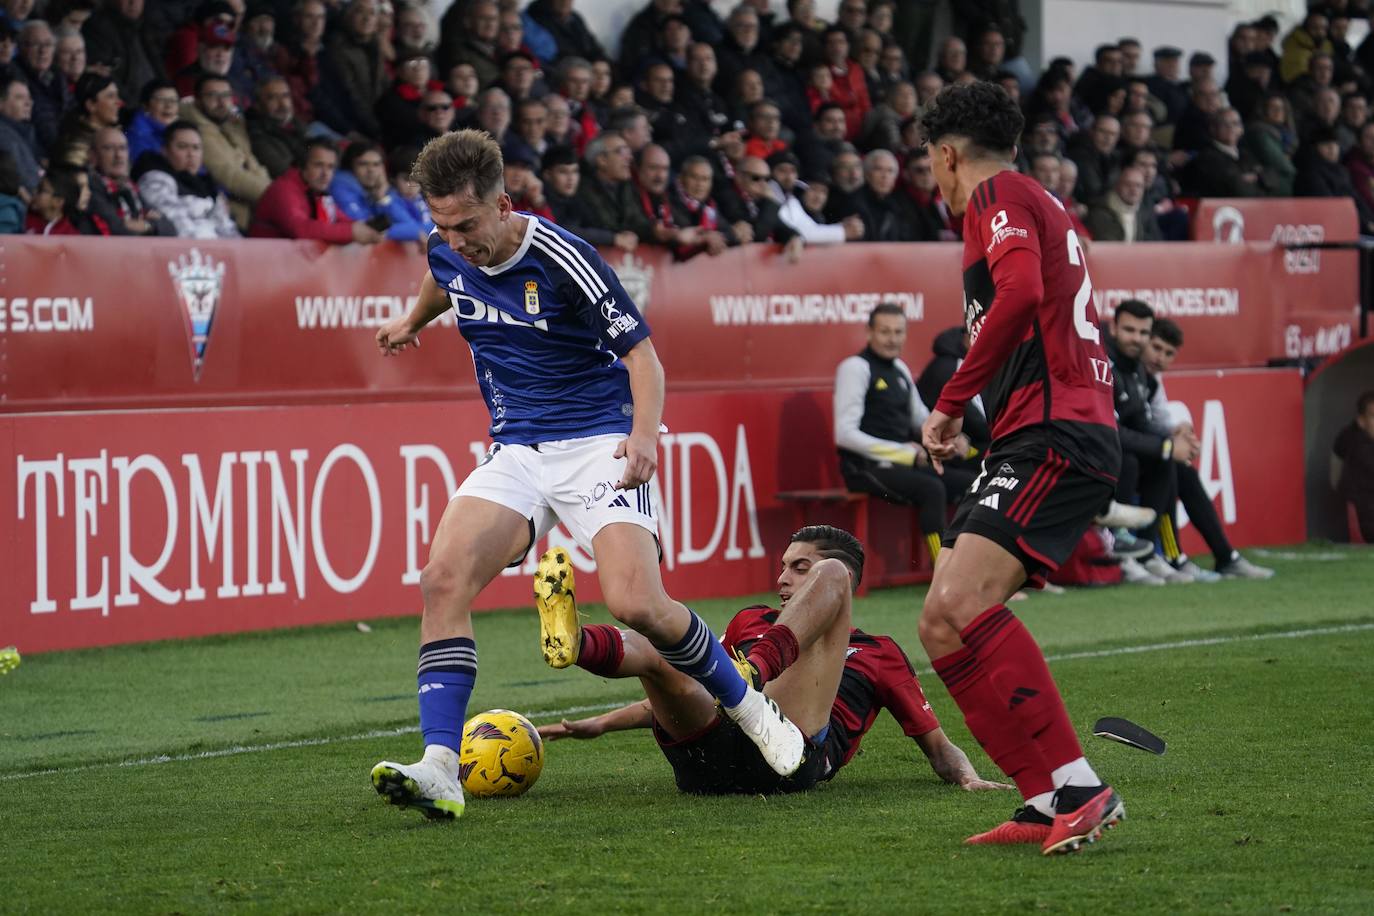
(443, 584)
(947, 604)
(637, 608)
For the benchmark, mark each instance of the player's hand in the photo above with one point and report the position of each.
(938, 435)
(395, 336)
(365, 234)
(626, 241)
(641, 460)
(1185, 447)
(975, 783)
(572, 728)
(922, 456)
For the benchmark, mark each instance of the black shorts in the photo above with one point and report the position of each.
(1033, 502)
(721, 760)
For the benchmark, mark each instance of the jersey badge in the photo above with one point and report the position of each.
(882, 385)
(531, 297)
(1001, 231)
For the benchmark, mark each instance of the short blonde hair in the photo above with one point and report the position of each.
(463, 160)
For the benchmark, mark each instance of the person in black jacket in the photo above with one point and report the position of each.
(1321, 174)
(950, 347)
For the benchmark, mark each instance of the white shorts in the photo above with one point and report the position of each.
(569, 480)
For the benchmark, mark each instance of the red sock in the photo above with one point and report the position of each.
(775, 650)
(1022, 680)
(602, 649)
(1000, 734)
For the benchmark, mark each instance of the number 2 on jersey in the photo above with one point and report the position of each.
(1086, 329)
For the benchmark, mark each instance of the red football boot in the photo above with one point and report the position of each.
(1026, 826)
(1080, 814)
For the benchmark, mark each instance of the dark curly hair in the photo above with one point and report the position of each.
(982, 113)
(831, 542)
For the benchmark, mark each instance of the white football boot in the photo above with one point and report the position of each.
(430, 785)
(778, 740)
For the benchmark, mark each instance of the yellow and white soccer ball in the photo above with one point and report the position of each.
(502, 754)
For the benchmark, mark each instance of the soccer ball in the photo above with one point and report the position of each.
(502, 754)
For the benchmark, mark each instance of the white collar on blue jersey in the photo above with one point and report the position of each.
(531, 223)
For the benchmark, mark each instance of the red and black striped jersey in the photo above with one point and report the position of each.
(877, 675)
(1035, 351)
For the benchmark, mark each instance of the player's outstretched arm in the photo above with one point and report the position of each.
(399, 333)
(647, 388)
(951, 764)
(636, 715)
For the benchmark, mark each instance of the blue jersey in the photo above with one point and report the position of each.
(546, 329)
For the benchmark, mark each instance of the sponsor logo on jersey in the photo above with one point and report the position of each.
(992, 501)
(617, 321)
(1005, 483)
(199, 281)
(531, 297)
(851, 652)
(1001, 231)
(1006, 469)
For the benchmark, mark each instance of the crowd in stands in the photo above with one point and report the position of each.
(300, 118)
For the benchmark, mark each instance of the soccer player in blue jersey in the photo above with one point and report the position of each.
(575, 391)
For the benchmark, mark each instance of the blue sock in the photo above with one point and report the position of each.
(448, 669)
(701, 656)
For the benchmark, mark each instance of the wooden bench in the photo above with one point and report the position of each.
(808, 501)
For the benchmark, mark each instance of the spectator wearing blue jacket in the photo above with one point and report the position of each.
(361, 190)
(158, 104)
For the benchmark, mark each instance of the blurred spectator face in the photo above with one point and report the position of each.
(887, 335)
(1168, 68)
(1159, 356)
(318, 170)
(1339, 28)
(831, 124)
(1228, 129)
(577, 83)
(743, 26)
(310, 21)
(1276, 110)
(1068, 179)
(45, 202)
(816, 196)
(601, 78)
(1131, 334)
(848, 172)
(696, 181)
(162, 106)
(836, 49)
(519, 178)
(111, 153)
(463, 82)
(803, 11)
(822, 80)
(870, 49)
(71, 56)
(261, 31)
(1043, 138)
(1136, 129)
(1260, 73)
(785, 174)
(928, 86)
(560, 117)
(852, 15)
(274, 100)
(436, 111)
(653, 169)
(564, 179)
(1110, 62)
(216, 100)
(103, 110)
(1012, 85)
(1137, 96)
(493, 114)
(676, 37)
(510, 34)
(370, 170)
(892, 61)
(1206, 96)
(1367, 142)
(1322, 69)
(1106, 131)
(638, 133)
(1316, 25)
(1130, 57)
(518, 75)
(129, 9)
(183, 151)
(953, 55)
(360, 20)
(620, 97)
(532, 122)
(613, 164)
(880, 18)
(1045, 169)
(1057, 95)
(920, 173)
(789, 48)
(701, 64)
(903, 99)
(1330, 151)
(754, 175)
(37, 47)
(412, 28)
(765, 122)
(484, 19)
(992, 48)
(216, 58)
(18, 10)
(881, 172)
(413, 71)
(749, 87)
(1355, 111)
(1130, 186)
(1328, 106)
(1148, 163)
(658, 83)
(6, 49)
(1244, 40)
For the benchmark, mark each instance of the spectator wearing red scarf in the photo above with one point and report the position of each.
(575, 85)
(850, 88)
(650, 178)
(298, 206)
(765, 125)
(694, 207)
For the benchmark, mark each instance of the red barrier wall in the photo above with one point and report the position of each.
(128, 526)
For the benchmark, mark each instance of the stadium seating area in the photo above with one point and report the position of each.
(706, 132)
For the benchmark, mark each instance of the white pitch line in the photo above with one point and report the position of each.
(597, 707)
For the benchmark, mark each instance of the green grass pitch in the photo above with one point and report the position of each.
(230, 775)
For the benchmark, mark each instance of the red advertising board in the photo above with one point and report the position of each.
(109, 323)
(153, 524)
